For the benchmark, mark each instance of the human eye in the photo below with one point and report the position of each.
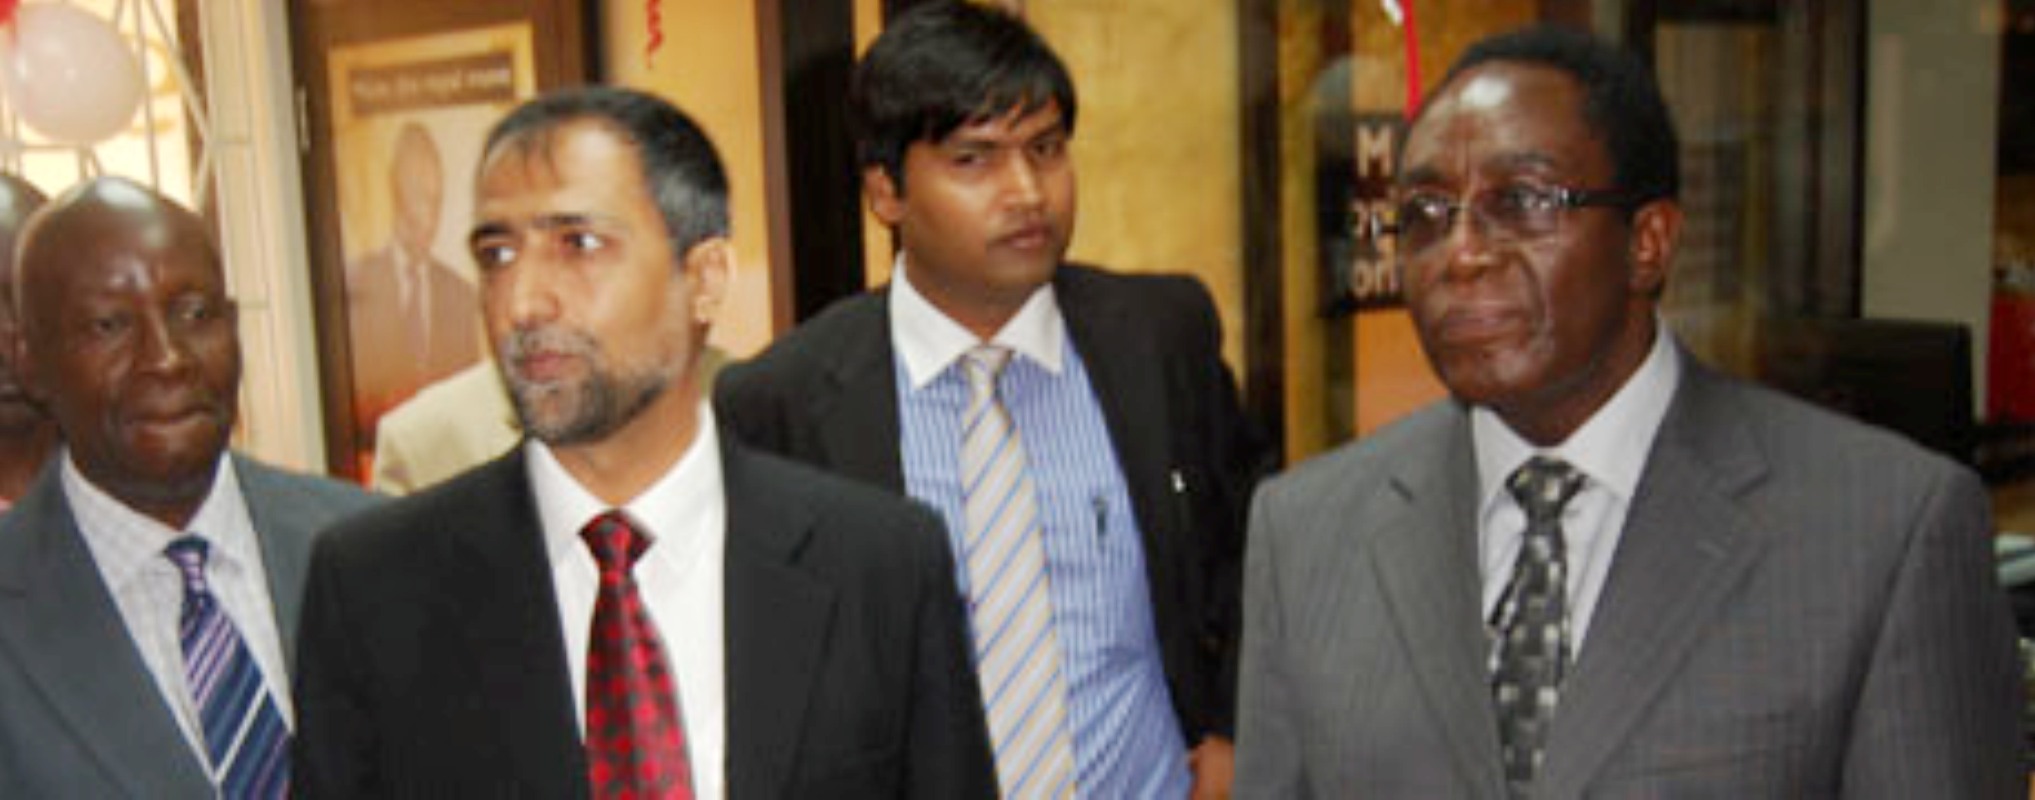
(968, 156)
(108, 324)
(1423, 218)
(1050, 147)
(582, 241)
(1518, 199)
(195, 310)
(1425, 209)
(492, 254)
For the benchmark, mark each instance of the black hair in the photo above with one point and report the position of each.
(943, 65)
(1621, 100)
(680, 168)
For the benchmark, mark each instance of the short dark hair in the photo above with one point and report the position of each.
(943, 65)
(680, 167)
(1621, 100)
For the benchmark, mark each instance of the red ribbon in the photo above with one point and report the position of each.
(1412, 62)
(653, 11)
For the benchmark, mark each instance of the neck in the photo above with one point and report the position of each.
(22, 455)
(1550, 416)
(622, 464)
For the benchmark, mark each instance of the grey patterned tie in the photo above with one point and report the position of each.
(1533, 644)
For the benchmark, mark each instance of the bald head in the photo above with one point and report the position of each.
(417, 185)
(18, 199)
(128, 338)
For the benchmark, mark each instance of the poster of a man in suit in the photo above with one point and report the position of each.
(408, 117)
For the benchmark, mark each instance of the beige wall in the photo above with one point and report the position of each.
(708, 66)
(1156, 144)
(1930, 122)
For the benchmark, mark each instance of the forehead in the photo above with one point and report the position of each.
(1506, 117)
(579, 165)
(95, 250)
(1018, 124)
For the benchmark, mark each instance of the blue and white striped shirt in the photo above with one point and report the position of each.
(1127, 741)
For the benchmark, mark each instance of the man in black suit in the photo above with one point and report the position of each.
(733, 626)
(1126, 416)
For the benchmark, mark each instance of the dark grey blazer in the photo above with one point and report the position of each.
(80, 715)
(434, 661)
(1800, 607)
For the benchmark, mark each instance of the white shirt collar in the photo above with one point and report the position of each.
(928, 341)
(669, 511)
(1612, 445)
(125, 542)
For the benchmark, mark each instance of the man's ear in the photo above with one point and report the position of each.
(1656, 231)
(710, 265)
(14, 341)
(885, 196)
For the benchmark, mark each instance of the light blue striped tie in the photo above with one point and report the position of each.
(244, 733)
(1017, 650)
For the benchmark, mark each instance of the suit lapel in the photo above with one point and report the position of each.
(1129, 381)
(1428, 535)
(856, 408)
(1686, 545)
(64, 631)
(498, 579)
(776, 628)
(285, 541)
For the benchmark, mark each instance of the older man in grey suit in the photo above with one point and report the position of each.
(1601, 569)
(149, 582)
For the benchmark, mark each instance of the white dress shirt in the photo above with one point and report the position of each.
(1610, 449)
(148, 588)
(684, 514)
(928, 341)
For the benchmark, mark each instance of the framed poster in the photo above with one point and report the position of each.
(398, 109)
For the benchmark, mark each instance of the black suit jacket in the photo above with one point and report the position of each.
(826, 393)
(435, 665)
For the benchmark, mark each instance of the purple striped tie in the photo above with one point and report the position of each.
(244, 733)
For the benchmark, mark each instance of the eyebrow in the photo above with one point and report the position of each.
(1503, 162)
(542, 222)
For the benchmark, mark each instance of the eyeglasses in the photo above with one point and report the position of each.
(1503, 214)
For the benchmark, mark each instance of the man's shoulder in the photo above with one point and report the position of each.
(299, 491)
(1157, 289)
(859, 521)
(481, 497)
(844, 321)
(1425, 434)
(1794, 435)
(805, 352)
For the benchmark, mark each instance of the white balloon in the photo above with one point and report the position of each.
(68, 74)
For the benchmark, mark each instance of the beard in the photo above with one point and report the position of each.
(587, 408)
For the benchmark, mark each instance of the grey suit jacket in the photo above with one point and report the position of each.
(1800, 606)
(80, 716)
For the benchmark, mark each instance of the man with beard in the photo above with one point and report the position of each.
(627, 604)
(27, 436)
(149, 581)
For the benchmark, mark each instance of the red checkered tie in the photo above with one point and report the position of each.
(635, 740)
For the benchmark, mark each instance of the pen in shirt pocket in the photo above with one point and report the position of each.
(1101, 506)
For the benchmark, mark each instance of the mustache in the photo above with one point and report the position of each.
(524, 342)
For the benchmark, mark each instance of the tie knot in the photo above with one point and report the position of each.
(1543, 486)
(984, 364)
(189, 554)
(615, 543)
